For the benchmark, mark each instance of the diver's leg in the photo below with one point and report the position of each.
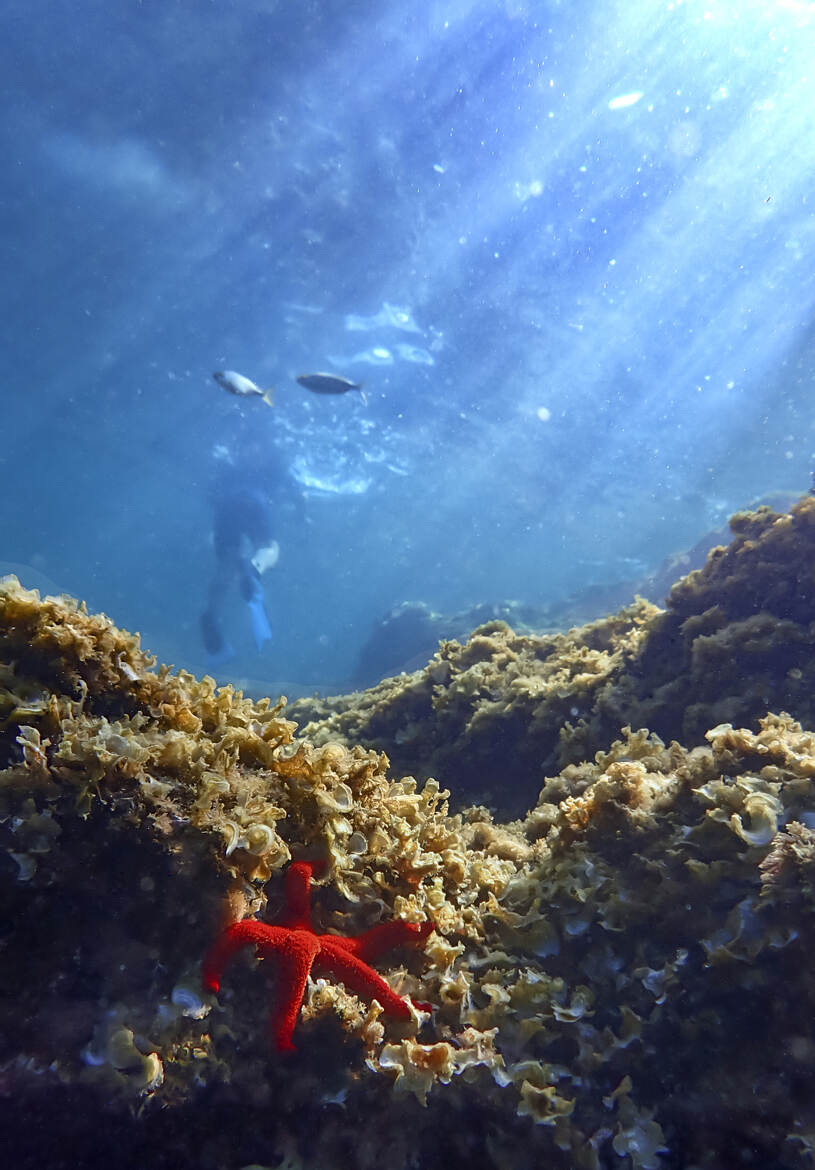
(219, 650)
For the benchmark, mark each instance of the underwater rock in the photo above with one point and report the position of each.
(492, 716)
(408, 635)
(604, 972)
(409, 632)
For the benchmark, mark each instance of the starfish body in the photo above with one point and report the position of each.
(299, 950)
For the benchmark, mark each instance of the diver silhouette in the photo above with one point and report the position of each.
(253, 496)
(243, 544)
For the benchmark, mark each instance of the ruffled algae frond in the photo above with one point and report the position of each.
(620, 976)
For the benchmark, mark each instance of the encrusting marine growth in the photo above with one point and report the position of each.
(620, 976)
(298, 950)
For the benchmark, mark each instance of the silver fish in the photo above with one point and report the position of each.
(328, 383)
(242, 387)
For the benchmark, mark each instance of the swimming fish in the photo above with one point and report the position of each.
(242, 387)
(327, 383)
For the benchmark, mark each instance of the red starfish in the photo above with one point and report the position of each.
(298, 948)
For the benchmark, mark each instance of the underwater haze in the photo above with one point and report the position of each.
(567, 250)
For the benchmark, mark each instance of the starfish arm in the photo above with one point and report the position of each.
(358, 976)
(297, 892)
(295, 959)
(296, 948)
(385, 937)
(233, 939)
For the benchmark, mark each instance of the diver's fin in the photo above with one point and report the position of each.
(211, 633)
(218, 649)
(261, 629)
(224, 655)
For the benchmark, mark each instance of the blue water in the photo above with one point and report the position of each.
(569, 249)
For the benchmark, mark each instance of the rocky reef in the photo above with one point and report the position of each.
(491, 717)
(408, 635)
(617, 977)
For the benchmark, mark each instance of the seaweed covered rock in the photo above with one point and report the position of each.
(408, 635)
(619, 979)
(493, 713)
(141, 812)
(491, 716)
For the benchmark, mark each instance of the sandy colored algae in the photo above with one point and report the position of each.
(620, 975)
